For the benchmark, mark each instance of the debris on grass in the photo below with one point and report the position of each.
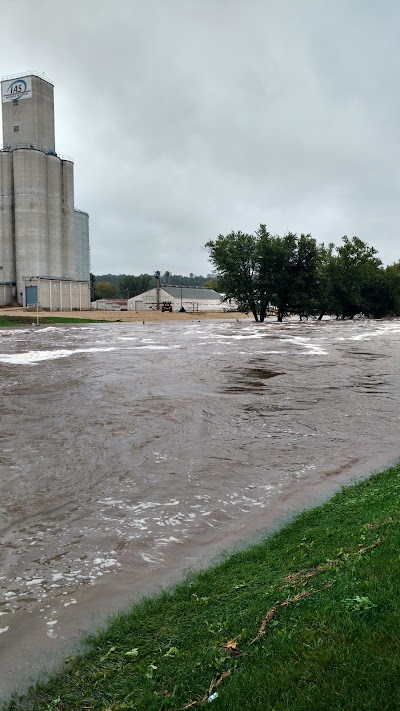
(273, 610)
(218, 679)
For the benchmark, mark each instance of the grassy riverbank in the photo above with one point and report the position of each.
(19, 316)
(308, 619)
(28, 320)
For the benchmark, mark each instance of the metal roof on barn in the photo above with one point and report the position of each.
(192, 293)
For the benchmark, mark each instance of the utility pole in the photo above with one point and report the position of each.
(158, 282)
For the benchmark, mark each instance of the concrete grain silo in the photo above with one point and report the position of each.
(69, 267)
(82, 251)
(54, 214)
(30, 209)
(28, 112)
(7, 244)
(37, 219)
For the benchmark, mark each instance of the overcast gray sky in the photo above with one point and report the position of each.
(189, 118)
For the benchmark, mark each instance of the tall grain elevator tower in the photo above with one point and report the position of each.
(40, 260)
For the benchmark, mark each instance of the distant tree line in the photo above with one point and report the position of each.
(293, 274)
(124, 286)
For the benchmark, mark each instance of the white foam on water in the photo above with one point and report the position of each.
(166, 541)
(50, 632)
(154, 348)
(371, 334)
(48, 328)
(238, 337)
(33, 357)
(106, 562)
(313, 349)
(148, 558)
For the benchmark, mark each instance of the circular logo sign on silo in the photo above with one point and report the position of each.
(17, 89)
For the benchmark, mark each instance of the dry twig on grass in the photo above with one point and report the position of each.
(273, 610)
(302, 576)
(373, 545)
(218, 679)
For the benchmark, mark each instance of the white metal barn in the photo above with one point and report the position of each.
(192, 299)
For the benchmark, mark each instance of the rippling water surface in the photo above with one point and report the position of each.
(130, 452)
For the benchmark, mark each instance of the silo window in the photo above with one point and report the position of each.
(15, 102)
(16, 129)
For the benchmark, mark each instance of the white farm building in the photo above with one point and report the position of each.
(167, 298)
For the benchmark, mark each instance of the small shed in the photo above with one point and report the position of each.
(56, 294)
(110, 304)
(190, 298)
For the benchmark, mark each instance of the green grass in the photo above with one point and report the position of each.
(334, 645)
(13, 321)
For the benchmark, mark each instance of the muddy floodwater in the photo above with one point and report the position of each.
(130, 453)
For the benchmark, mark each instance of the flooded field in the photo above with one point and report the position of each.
(130, 453)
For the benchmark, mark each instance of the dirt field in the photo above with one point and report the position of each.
(124, 316)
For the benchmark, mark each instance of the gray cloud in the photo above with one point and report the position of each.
(188, 118)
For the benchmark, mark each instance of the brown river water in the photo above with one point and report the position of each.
(132, 453)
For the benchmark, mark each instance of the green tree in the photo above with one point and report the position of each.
(266, 254)
(325, 279)
(112, 278)
(378, 295)
(235, 260)
(355, 267)
(305, 292)
(133, 285)
(277, 261)
(284, 266)
(93, 295)
(296, 275)
(262, 270)
(212, 284)
(106, 290)
(180, 280)
(393, 275)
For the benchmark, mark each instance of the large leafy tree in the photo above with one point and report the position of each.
(325, 277)
(266, 269)
(262, 270)
(235, 259)
(284, 264)
(288, 273)
(295, 275)
(112, 278)
(277, 260)
(105, 290)
(355, 268)
(378, 295)
(306, 269)
(393, 276)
